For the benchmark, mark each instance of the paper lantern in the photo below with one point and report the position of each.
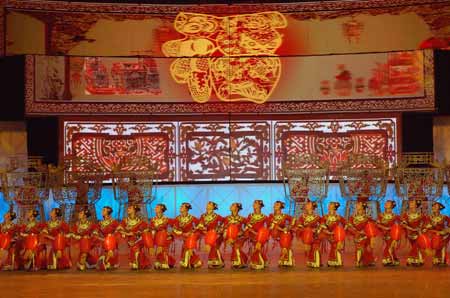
(436, 241)
(232, 232)
(85, 245)
(161, 239)
(59, 243)
(396, 232)
(339, 233)
(31, 242)
(371, 230)
(110, 242)
(307, 236)
(285, 240)
(147, 238)
(5, 241)
(191, 242)
(424, 241)
(263, 235)
(211, 238)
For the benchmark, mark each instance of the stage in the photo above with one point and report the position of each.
(347, 282)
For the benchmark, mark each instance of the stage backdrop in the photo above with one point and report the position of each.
(228, 150)
(116, 85)
(89, 29)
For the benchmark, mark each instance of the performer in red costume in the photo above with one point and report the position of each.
(159, 226)
(9, 231)
(184, 226)
(238, 257)
(329, 223)
(33, 256)
(56, 231)
(254, 222)
(437, 224)
(385, 222)
(84, 231)
(106, 228)
(363, 246)
(311, 220)
(413, 221)
(211, 221)
(280, 226)
(131, 228)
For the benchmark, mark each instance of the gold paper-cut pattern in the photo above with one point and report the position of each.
(247, 67)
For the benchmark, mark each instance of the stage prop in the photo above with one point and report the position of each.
(389, 81)
(305, 178)
(419, 176)
(228, 150)
(74, 190)
(25, 185)
(363, 178)
(132, 182)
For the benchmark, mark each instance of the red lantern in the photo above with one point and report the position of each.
(423, 241)
(110, 242)
(5, 241)
(232, 232)
(371, 230)
(85, 245)
(211, 238)
(161, 239)
(307, 236)
(339, 233)
(60, 242)
(31, 242)
(396, 232)
(285, 240)
(436, 241)
(147, 239)
(263, 235)
(191, 242)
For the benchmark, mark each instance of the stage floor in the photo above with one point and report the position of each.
(298, 282)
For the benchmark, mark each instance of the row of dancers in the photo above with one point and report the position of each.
(36, 246)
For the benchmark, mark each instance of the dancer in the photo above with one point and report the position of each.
(131, 228)
(159, 226)
(56, 231)
(413, 221)
(330, 222)
(280, 226)
(211, 222)
(309, 222)
(185, 227)
(83, 231)
(363, 242)
(386, 221)
(33, 256)
(107, 242)
(238, 257)
(255, 221)
(437, 224)
(8, 231)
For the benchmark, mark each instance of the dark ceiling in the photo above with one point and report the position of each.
(196, 2)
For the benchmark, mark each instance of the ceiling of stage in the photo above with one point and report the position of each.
(196, 1)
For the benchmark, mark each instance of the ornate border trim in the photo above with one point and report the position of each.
(211, 8)
(426, 103)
